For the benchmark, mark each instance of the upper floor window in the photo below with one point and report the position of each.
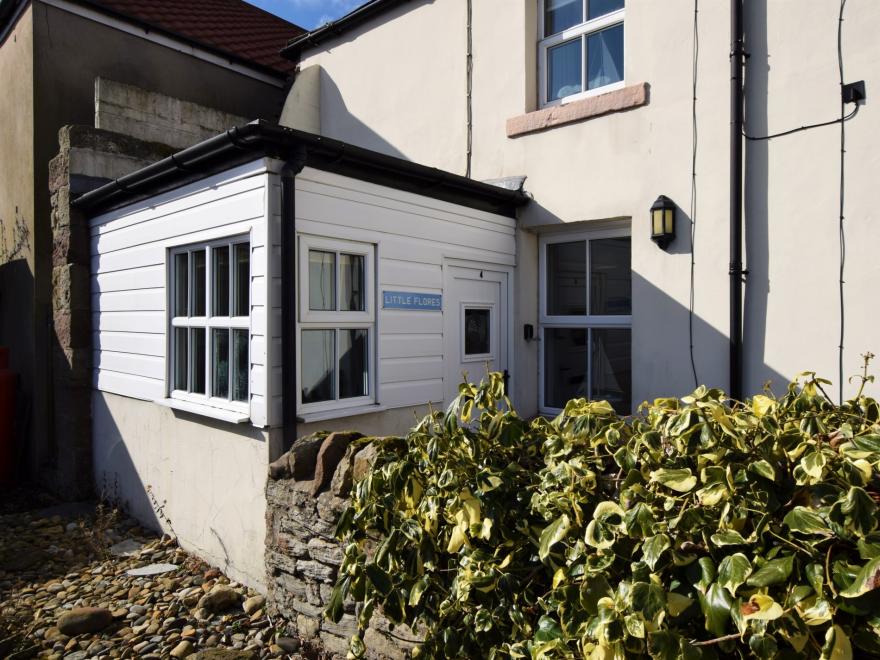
(581, 48)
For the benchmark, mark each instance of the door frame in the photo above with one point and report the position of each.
(507, 300)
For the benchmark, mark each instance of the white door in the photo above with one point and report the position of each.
(475, 325)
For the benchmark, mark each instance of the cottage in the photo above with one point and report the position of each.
(273, 281)
(262, 283)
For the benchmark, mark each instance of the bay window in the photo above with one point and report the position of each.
(210, 323)
(336, 325)
(580, 48)
(586, 319)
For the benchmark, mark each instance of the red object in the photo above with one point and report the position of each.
(7, 415)
(232, 26)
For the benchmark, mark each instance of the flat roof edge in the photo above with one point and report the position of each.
(263, 139)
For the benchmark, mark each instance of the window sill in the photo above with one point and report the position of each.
(231, 416)
(338, 413)
(627, 98)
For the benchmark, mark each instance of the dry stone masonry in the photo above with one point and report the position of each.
(308, 489)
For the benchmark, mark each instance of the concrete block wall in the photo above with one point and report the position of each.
(156, 117)
(86, 157)
(307, 491)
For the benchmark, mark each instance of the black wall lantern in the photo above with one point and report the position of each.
(663, 221)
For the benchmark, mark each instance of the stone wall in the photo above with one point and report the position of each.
(87, 157)
(307, 491)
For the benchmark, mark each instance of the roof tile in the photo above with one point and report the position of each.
(232, 26)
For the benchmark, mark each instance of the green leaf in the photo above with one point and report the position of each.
(764, 469)
(334, 605)
(649, 599)
(813, 465)
(859, 508)
(774, 571)
(553, 534)
(733, 571)
(664, 645)
(716, 604)
(681, 480)
(763, 646)
(607, 523)
(548, 629)
(676, 603)
(761, 405)
(728, 537)
(806, 521)
(639, 520)
(419, 588)
(653, 547)
(483, 620)
(837, 645)
(867, 579)
(379, 578)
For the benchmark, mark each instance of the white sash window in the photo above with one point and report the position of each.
(580, 49)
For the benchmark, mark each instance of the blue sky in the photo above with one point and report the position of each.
(308, 13)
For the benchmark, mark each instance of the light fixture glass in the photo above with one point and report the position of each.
(663, 221)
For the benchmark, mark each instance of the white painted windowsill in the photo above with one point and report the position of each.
(231, 416)
(323, 415)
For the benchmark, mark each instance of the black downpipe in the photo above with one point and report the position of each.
(737, 63)
(288, 298)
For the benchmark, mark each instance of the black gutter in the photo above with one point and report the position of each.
(245, 143)
(737, 63)
(338, 27)
(8, 11)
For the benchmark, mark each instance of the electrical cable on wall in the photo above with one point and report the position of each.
(854, 96)
(693, 209)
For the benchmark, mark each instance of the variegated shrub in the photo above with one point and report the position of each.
(699, 528)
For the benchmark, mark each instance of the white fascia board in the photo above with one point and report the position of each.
(163, 40)
(247, 170)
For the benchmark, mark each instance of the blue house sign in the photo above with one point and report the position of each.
(410, 300)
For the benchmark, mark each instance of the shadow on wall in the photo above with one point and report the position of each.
(176, 472)
(122, 485)
(346, 126)
(660, 345)
(16, 312)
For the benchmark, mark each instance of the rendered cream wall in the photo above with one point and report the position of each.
(615, 166)
(196, 477)
(208, 477)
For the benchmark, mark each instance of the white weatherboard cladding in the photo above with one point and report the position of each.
(129, 248)
(414, 236)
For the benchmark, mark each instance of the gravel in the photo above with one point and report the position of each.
(60, 568)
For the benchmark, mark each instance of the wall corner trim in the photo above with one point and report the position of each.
(619, 100)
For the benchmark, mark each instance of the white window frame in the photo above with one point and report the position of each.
(337, 320)
(587, 322)
(580, 31)
(209, 322)
(493, 340)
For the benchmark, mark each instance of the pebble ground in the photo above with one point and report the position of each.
(58, 559)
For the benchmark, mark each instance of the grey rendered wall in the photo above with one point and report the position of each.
(70, 52)
(17, 200)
